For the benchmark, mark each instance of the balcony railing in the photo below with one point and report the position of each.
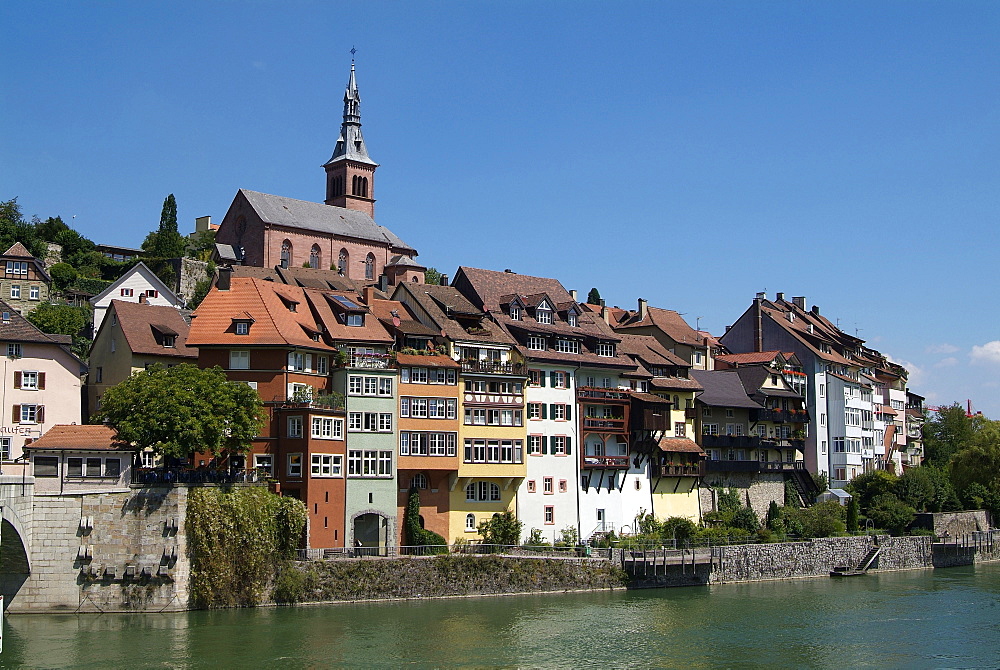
(690, 413)
(372, 361)
(493, 367)
(598, 394)
(686, 470)
(185, 476)
(605, 462)
(735, 441)
(604, 424)
(753, 466)
(780, 415)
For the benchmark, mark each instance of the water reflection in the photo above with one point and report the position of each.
(911, 619)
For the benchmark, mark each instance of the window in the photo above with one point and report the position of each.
(126, 293)
(17, 267)
(295, 426)
(369, 422)
(29, 380)
(534, 377)
(370, 267)
(543, 314)
(559, 380)
(559, 412)
(369, 463)
(515, 312)
(15, 291)
(286, 254)
(493, 451)
(709, 429)
(169, 340)
(14, 349)
(294, 465)
(30, 413)
(482, 492)
(264, 463)
(560, 445)
(706, 411)
(74, 467)
(547, 485)
(680, 429)
(46, 466)
(327, 428)
(536, 343)
(358, 385)
(822, 390)
(534, 410)
(33, 293)
(534, 445)
(823, 447)
(571, 319)
(326, 465)
(822, 419)
(730, 413)
(697, 358)
(5, 448)
(239, 360)
(606, 349)
(550, 515)
(92, 467)
(314, 256)
(839, 474)
(531, 486)
(242, 327)
(567, 346)
(419, 481)
(426, 443)
(342, 262)
(299, 362)
(470, 523)
(562, 486)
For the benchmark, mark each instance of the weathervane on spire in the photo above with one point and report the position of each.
(353, 51)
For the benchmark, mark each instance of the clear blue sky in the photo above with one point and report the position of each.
(688, 153)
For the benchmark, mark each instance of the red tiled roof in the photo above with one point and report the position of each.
(138, 321)
(18, 250)
(750, 357)
(81, 438)
(668, 321)
(680, 445)
(427, 361)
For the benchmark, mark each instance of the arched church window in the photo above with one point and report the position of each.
(342, 260)
(286, 254)
(314, 256)
(364, 187)
(370, 267)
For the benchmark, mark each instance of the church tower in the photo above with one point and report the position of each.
(350, 173)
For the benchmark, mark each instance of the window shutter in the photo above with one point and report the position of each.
(17, 379)
(41, 381)
(545, 410)
(15, 414)
(545, 443)
(569, 446)
(553, 377)
(569, 412)
(541, 377)
(40, 414)
(552, 411)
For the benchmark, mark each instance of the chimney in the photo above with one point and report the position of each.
(142, 298)
(509, 271)
(815, 310)
(758, 325)
(761, 296)
(383, 283)
(369, 295)
(643, 308)
(728, 328)
(605, 313)
(444, 280)
(572, 294)
(780, 297)
(224, 281)
(800, 302)
(202, 223)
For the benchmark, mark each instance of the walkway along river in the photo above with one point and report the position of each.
(913, 619)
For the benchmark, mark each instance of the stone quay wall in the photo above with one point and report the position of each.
(116, 551)
(755, 489)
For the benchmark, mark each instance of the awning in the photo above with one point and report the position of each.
(680, 445)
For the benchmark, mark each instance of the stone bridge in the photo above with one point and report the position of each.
(16, 498)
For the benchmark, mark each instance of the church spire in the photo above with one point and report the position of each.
(350, 172)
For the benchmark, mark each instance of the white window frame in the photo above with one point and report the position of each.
(239, 359)
(294, 466)
(536, 343)
(263, 462)
(326, 465)
(29, 380)
(34, 293)
(327, 428)
(295, 426)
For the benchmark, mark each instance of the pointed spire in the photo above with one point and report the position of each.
(350, 143)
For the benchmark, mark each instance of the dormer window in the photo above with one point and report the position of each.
(355, 320)
(543, 314)
(571, 319)
(242, 327)
(606, 349)
(515, 312)
(169, 340)
(536, 343)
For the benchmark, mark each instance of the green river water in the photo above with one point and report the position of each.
(914, 619)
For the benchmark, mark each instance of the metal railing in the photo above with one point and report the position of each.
(605, 461)
(476, 549)
(186, 476)
(493, 367)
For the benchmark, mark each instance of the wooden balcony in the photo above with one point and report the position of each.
(753, 466)
(780, 415)
(594, 424)
(686, 470)
(690, 413)
(604, 462)
(730, 441)
(597, 395)
(493, 367)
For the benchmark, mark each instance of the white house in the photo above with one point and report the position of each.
(140, 284)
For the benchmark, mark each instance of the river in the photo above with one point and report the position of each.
(913, 619)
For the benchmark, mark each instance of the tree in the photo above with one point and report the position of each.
(945, 432)
(927, 489)
(870, 484)
(202, 245)
(166, 242)
(59, 319)
(13, 228)
(183, 409)
(852, 515)
(889, 512)
(63, 274)
(594, 297)
(502, 529)
(824, 519)
(432, 276)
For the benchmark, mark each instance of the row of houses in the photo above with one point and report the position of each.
(487, 392)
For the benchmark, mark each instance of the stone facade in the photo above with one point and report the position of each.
(105, 552)
(188, 272)
(759, 489)
(953, 524)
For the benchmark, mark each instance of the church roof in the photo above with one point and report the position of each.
(329, 219)
(350, 144)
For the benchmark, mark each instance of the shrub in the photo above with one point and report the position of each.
(867, 486)
(503, 529)
(678, 528)
(852, 515)
(825, 519)
(889, 512)
(746, 519)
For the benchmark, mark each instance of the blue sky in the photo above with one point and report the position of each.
(688, 153)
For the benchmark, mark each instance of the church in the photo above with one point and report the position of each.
(339, 234)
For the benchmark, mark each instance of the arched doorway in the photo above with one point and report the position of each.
(371, 534)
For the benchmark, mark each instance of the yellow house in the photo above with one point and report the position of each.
(135, 336)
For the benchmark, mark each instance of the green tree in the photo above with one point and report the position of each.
(183, 409)
(773, 516)
(852, 515)
(927, 489)
(502, 529)
(432, 276)
(63, 274)
(166, 242)
(745, 519)
(678, 528)
(13, 228)
(945, 432)
(824, 519)
(889, 512)
(866, 486)
(594, 297)
(59, 319)
(978, 462)
(202, 245)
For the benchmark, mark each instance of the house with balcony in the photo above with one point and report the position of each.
(492, 434)
(324, 368)
(914, 453)
(25, 284)
(43, 382)
(565, 348)
(135, 336)
(670, 329)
